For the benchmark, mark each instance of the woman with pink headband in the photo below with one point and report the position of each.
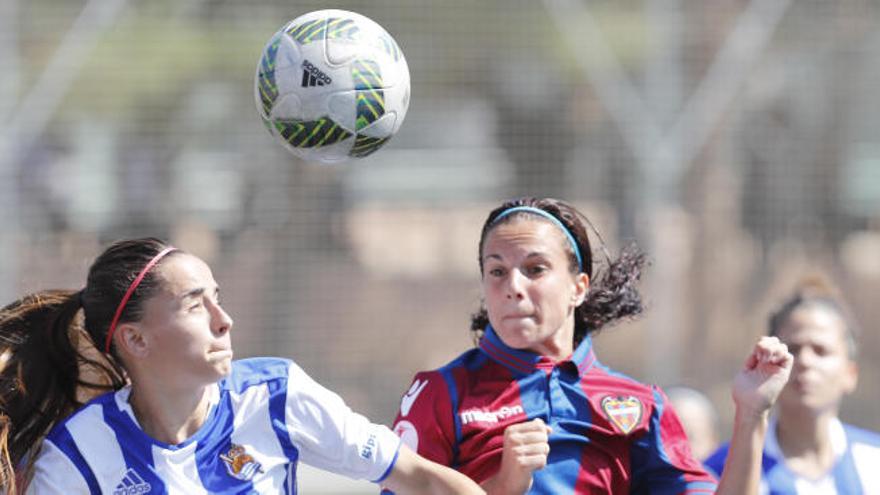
(531, 409)
(128, 386)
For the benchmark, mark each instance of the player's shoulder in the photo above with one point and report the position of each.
(448, 375)
(858, 435)
(601, 380)
(250, 372)
(470, 360)
(86, 418)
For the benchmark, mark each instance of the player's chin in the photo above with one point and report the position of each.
(518, 336)
(221, 361)
(223, 369)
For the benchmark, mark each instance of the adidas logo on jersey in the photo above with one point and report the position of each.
(132, 484)
(312, 76)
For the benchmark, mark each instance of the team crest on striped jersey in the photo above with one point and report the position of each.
(625, 412)
(240, 464)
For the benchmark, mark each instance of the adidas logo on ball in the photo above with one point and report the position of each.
(312, 76)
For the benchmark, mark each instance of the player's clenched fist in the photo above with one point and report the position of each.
(764, 374)
(525, 450)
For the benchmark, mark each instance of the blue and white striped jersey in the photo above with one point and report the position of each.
(856, 469)
(265, 417)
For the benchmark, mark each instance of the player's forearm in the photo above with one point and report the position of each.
(443, 480)
(742, 469)
(415, 474)
(499, 485)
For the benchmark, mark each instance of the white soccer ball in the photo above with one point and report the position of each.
(332, 85)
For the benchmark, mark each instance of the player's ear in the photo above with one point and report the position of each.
(851, 377)
(581, 288)
(131, 340)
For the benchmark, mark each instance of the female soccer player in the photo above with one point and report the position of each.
(808, 449)
(532, 409)
(181, 416)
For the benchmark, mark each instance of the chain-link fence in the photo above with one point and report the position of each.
(736, 141)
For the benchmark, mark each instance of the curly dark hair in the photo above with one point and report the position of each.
(613, 293)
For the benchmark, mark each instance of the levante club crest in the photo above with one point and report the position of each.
(240, 464)
(624, 412)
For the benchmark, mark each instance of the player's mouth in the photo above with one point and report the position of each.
(219, 354)
(804, 384)
(519, 316)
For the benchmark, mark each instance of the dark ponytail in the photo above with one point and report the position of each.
(43, 355)
(613, 293)
(51, 352)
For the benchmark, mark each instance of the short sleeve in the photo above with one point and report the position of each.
(54, 473)
(330, 436)
(662, 462)
(425, 418)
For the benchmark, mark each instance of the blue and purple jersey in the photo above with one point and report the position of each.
(611, 434)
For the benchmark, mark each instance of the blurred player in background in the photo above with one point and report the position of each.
(808, 449)
(698, 417)
(532, 409)
(179, 415)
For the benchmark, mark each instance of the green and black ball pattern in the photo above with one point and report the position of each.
(370, 105)
(319, 29)
(268, 87)
(370, 97)
(365, 145)
(367, 77)
(312, 134)
(387, 44)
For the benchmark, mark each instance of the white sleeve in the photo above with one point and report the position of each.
(330, 436)
(54, 473)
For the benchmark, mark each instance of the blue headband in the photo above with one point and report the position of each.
(548, 216)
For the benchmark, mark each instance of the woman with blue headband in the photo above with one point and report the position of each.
(531, 409)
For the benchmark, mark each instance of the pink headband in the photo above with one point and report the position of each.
(130, 291)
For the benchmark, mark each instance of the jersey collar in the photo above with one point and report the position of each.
(526, 362)
(123, 405)
(836, 433)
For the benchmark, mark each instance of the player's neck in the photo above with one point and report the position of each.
(805, 441)
(170, 416)
(559, 346)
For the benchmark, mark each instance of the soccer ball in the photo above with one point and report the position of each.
(332, 85)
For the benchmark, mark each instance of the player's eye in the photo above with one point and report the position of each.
(496, 272)
(537, 269)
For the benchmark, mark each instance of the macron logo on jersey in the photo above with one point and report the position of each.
(483, 416)
(409, 398)
(132, 484)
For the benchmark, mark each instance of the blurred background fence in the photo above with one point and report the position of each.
(736, 141)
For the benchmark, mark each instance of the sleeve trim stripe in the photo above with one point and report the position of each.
(390, 466)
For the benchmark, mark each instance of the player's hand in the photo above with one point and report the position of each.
(525, 450)
(765, 372)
